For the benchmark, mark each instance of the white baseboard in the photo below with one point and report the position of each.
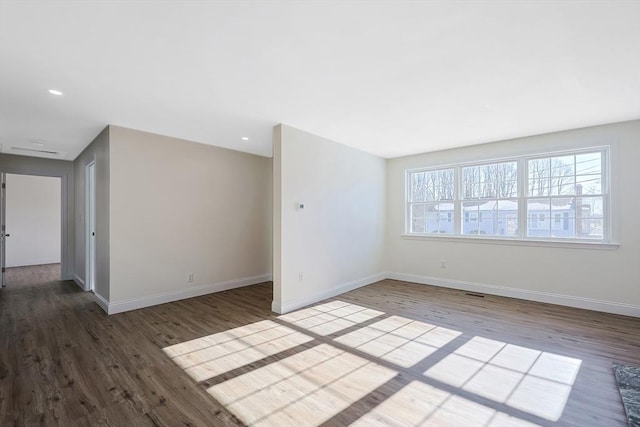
(287, 306)
(79, 281)
(525, 294)
(101, 301)
(134, 304)
(276, 307)
(40, 261)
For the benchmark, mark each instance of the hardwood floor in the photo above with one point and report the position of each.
(32, 275)
(393, 352)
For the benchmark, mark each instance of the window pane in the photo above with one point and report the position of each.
(589, 163)
(539, 170)
(417, 225)
(539, 187)
(538, 214)
(563, 185)
(589, 207)
(507, 188)
(471, 190)
(445, 178)
(417, 218)
(593, 228)
(562, 166)
(588, 217)
(490, 181)
(589, 184)
(564, 216)
(417, 210)
(418, 187)
(445, 219)
(507, 218)
(470, 223)
(433, 218)
(487, 189)
(432, 185)
(470, 227)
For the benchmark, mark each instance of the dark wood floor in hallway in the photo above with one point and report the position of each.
(32, 275)
(63, 361)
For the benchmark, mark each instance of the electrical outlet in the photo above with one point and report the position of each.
(443, 263)
(300, 277)
(190, 277)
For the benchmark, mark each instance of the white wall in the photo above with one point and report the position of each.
(33, 209)
(177, 207)
(337, 241)
(601, 279)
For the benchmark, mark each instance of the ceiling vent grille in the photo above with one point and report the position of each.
(38, 152)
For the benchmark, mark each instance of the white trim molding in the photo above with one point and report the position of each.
(102, 302)
(559, 243)
(79, 281)
(196, 291)
(524, 294)
(287, 306)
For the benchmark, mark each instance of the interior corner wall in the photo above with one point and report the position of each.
(336, 243)
(178, 207)
(25, 165)
(606, 280)
(97, 151)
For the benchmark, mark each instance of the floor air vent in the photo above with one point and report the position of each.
(474, 295)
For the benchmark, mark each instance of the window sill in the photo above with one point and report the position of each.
(578, 244)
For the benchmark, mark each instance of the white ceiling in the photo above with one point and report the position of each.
(391, 78)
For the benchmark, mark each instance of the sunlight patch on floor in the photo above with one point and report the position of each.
(329, 318)
(526, 379)
(219, 353)
(399, 340)
(419, 404)
(318, 382)
(307, 388)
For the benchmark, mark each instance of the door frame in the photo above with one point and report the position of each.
(3, 217)
(3, 220)
(90, 225)
(23, 165)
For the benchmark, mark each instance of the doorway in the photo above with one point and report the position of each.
(31, 229)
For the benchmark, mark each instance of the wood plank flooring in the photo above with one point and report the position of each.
(393, 352)
(32, 275)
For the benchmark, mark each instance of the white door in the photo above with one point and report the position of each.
(90, 232)
(33, 217)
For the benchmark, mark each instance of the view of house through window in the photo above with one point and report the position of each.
(539, 197)
(490, 203)
(432, 194)
(565, 196)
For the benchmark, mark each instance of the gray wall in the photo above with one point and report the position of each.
(47, 167)
(98, 150)
(178, 207)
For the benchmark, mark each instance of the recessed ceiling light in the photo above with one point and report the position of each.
(55, 92)
(245, 138)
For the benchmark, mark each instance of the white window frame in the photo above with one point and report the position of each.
(523, 183)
